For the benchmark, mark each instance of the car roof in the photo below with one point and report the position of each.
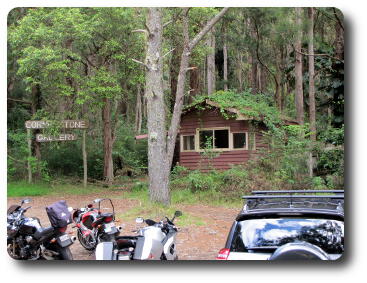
(293, 202)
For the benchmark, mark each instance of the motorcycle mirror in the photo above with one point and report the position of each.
(97, 200)
(90, 205)
(178, 213)
(139, 220)
(27, 200)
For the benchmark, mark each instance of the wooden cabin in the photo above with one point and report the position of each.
(209, 138)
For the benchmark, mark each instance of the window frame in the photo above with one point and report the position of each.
(197, 135)
(182, 143)
(230, 140)
(240, 132)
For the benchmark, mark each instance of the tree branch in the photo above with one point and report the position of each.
(207, 28)
(19, 100)
(141, 63)
(258, 56)
(318, 54)
(168, 52)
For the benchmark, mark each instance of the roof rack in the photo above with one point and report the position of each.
(335, 197)
(338, 196)
(297, 192)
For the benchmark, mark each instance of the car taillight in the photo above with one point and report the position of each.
(223, 254)
(62, 229)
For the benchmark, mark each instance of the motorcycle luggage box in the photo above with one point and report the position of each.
(104, 251)
(59, 214)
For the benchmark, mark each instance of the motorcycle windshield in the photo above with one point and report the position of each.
(265, 234)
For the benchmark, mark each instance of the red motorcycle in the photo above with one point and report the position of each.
(94, 226)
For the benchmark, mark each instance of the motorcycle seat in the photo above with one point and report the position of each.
(125, 242)
(42, 232)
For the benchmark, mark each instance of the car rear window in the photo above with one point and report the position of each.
(267, 234)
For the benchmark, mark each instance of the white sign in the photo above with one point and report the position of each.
(66, 124)
(61, 137)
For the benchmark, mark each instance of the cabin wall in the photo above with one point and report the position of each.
(225, 159)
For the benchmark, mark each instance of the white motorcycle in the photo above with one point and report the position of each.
(157, 241)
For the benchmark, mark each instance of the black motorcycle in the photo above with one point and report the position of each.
(28, 240)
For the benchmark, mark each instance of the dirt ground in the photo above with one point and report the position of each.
(193, 242)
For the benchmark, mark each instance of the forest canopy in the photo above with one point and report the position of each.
(91, 64)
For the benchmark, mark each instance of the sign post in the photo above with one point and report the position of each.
(29, 156)
(66, 124)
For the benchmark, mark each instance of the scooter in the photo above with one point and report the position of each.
(157, 241)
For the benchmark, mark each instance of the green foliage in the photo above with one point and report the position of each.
(257, 107)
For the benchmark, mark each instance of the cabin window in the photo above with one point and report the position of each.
(239, 140)
(188, 142)
(206, 139)
(214, 139)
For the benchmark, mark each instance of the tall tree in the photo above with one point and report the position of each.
(298, 68)
(225, 58)
(210, 63)
(157, 157)
(311, 74)
(160, 144)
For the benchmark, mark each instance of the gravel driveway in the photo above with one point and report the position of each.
(193, 242)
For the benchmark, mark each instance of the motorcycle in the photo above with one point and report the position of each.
(28, 240)
(157, 241)
(93, 226)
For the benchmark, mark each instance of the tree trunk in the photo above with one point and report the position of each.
(157, 158)
(311, 94)
(85, 164)
(160, 145)
(311, 73)
(175, 61)
(138, 110)
(29, 167)
(225, 60)
(36, 104)
(107, 141)
(239, 72)
(185, 57)
(194, 82)
(298, 69)
(211, 63)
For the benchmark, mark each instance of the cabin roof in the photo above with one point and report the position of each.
(236, 106)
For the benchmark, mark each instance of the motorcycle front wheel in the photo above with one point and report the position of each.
(87, 242)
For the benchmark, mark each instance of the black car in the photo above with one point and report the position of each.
(297, 224)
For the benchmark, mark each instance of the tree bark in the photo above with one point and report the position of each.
(298, 69)
(185, 57)
(138, 110)
(160, 145)
(29, 167)
(211, 63)
(239, 72)
(311, 73)
(107, 141)
(85, 164)
(225, 60)
(157, 156)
